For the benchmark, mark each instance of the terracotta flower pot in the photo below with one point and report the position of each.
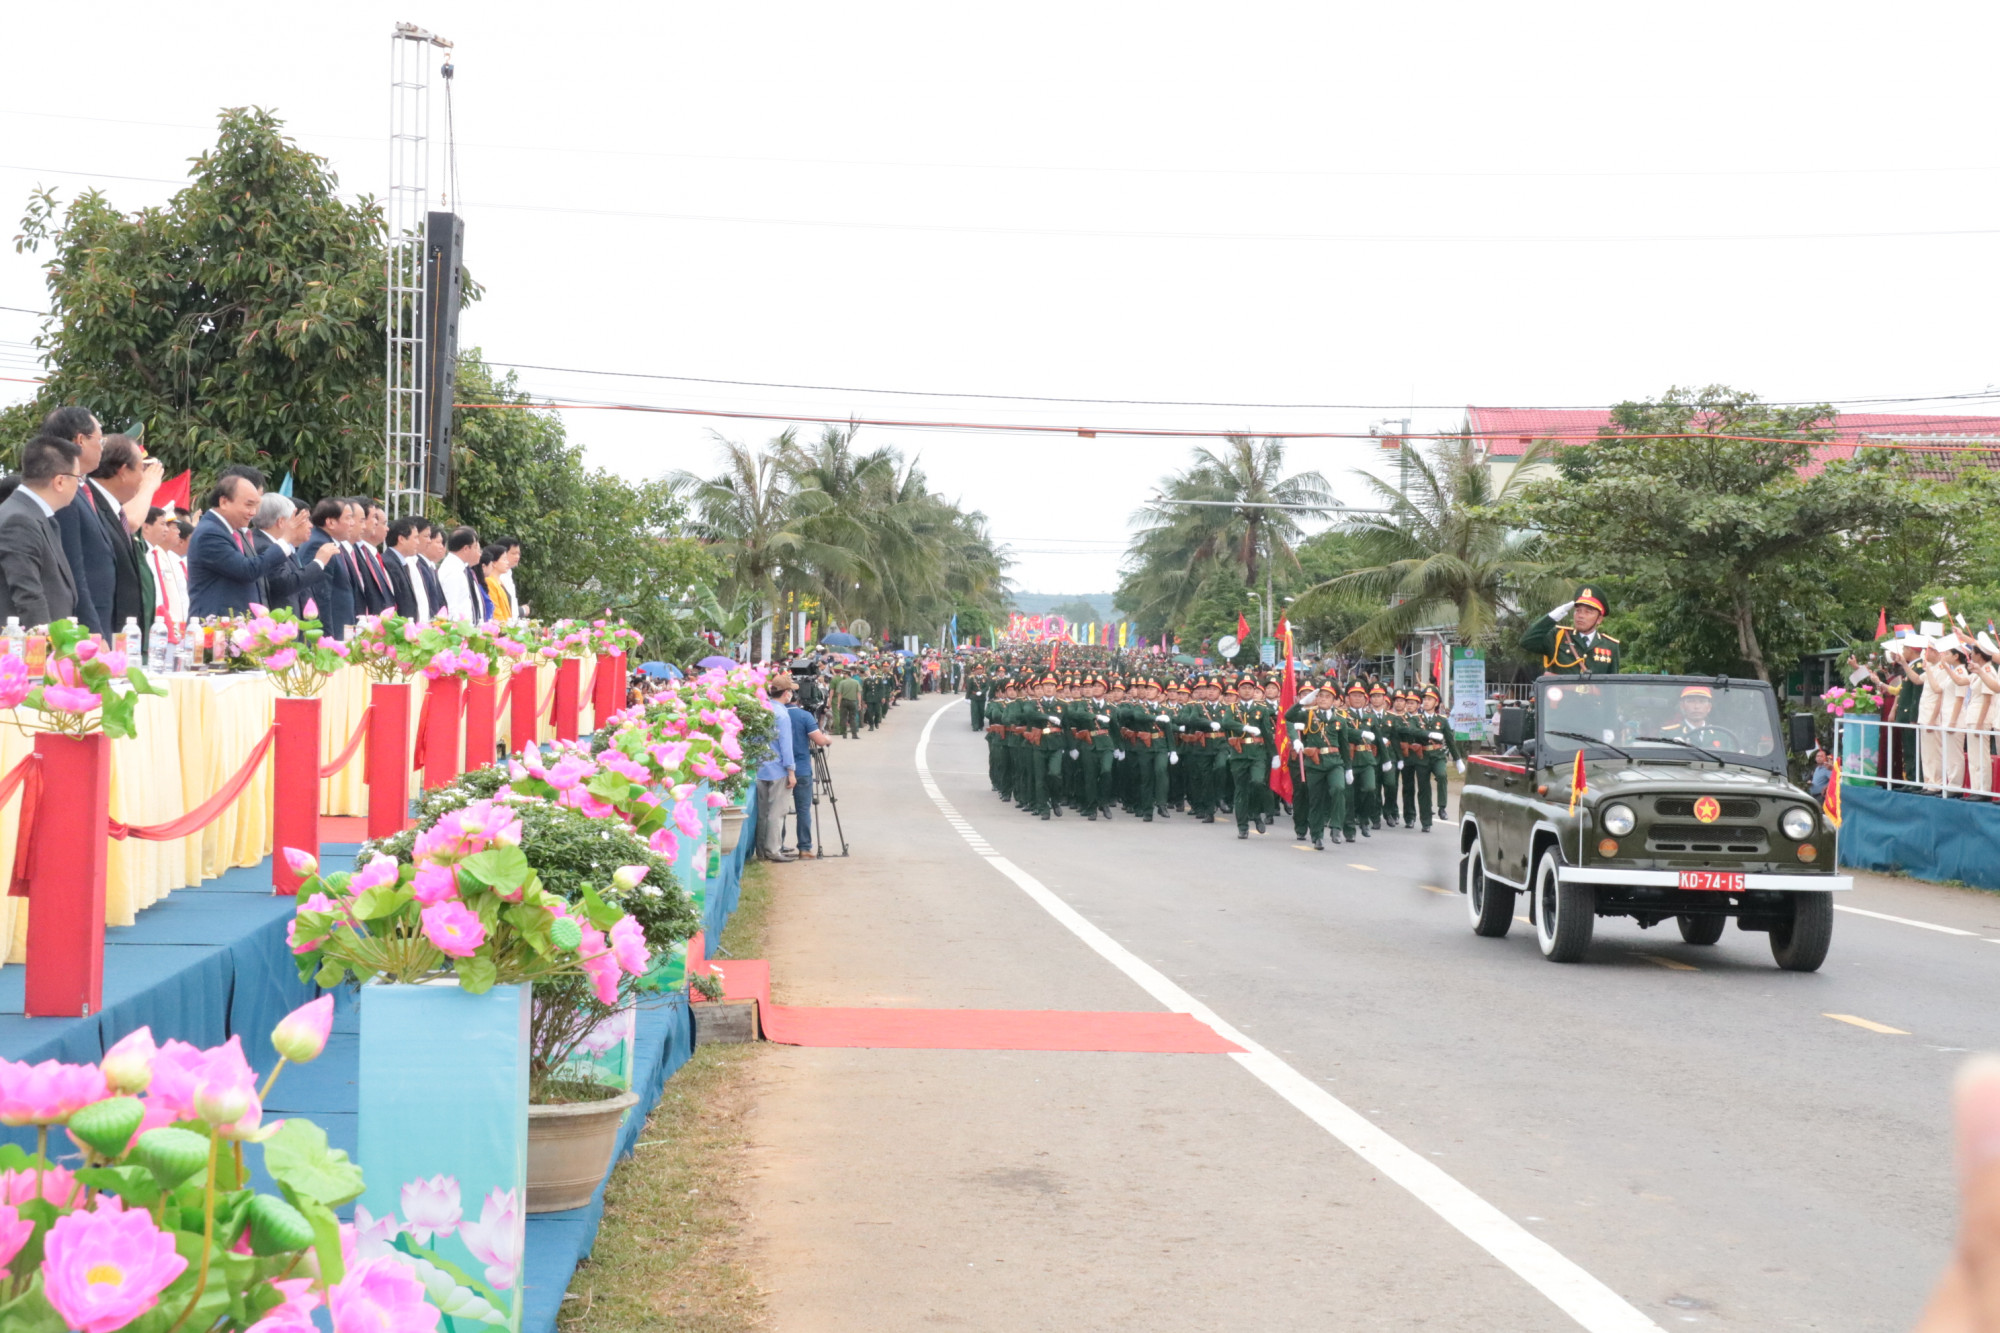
(732, 826)
(569, 1150)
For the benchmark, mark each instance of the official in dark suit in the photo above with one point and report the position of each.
(35, 580)
(119, 477)
(341, 601)
(418, 593)
(281, 523)
(224, 577)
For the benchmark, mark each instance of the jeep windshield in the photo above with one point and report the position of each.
(1664, 718)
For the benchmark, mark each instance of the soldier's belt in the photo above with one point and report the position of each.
(1368, 750)
(1236, 744)
(1311, 752)
(1194, 738)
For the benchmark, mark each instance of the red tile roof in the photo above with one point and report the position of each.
(1508, 431)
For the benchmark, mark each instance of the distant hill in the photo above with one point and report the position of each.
(1041, 603)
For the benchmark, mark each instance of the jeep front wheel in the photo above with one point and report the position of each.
(1490, 904)
(1702, 929)
(1565, 914)
(1800, 944)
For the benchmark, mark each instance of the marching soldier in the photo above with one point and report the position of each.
(1364, 749)
(1249, 727)
(1409, 752)
(1579, 648)
(999, 751)
(1322, 739)
(1388, 751)
(1438, 746)
(1149, 738)
(975, 696)
(1091, 740)
(1194, 723)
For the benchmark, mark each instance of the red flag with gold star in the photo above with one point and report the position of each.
(1288, 694)
(1576, 781)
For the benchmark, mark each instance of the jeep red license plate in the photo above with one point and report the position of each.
(1720, 881)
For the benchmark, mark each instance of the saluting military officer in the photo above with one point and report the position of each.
(1579, 648)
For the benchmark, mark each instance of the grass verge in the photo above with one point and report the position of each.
(668, 1257)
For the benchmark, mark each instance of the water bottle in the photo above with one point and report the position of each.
(159, 655)
(132, 641)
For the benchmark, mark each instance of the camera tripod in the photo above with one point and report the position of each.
(822, 781)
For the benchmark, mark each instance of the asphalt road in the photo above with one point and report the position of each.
(1686, 1124)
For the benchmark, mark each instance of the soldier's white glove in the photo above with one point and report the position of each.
(1252, 731)
(1350, 777)
(1103, 717)
(1367, 735)
(1437, 736)
(1117, 754)
(1399, 765)
(1277, 762)
(1298, 728)
(1160, 717)
(1461, 768)
(1215, 726)
(1562, 611)
(1173, 759)
(1072, 754)
(1055, 721)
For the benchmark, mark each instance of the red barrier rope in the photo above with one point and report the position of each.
(347, 755)
(207, 812)
(28, 774)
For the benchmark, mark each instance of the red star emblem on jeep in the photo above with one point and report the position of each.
(1708, 809)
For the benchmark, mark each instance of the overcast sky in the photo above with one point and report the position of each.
(1384, 210)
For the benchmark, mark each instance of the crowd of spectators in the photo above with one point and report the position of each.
(80, 537)
(1941, 696)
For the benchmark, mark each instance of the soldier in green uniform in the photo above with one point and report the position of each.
(1437, 747)
(1194, 726)
(847, 703)
(1388, 752)
(1249, 727)
(1364, 767)
(1321, 737)
(999, 757)
(1174, 697)
(1693, 726)
(1409, 752)
(1089, 728)
(1579, 648)
(975, 697)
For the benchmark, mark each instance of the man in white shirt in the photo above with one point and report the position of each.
(455, 571)
(163, 546)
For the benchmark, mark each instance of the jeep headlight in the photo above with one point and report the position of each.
(1618, 820)
(1797, 823)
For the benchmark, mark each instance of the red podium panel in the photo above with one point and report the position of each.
(479, 703)
(567, 701)
(524, 709)
(441, 732)
(66, 895)
(607, 687)
(388, 759)
(294, 788)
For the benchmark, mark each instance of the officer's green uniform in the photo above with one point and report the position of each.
(1152, 743)
(975, 698)
(1194, 741)
(847, 694)
(1364, 758)
(1410, 738)
(999, 758)
(1388, 750)
(1051, 744)
(1564, 652)
(1438, 748)
(1249, 725)
(1322, 740)
(1090, 736)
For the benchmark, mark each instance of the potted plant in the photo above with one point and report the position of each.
(447, 947)
(575, 1081)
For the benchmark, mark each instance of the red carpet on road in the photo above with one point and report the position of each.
(1153, 1032)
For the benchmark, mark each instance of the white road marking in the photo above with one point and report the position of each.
(1903, 921)
(1574, 1291)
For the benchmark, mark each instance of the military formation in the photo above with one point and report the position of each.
(1094, 740)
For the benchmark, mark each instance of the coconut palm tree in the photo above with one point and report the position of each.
(1441, 557)
(1233, 508)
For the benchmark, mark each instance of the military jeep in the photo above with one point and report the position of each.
(1685, 813)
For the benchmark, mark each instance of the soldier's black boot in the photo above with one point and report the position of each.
(1242, 832)
(1091, 815)
(1318, 846)
(1364, 832)
(1045, 814)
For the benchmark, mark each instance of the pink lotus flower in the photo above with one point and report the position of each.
(14, 1233)
(372, 1236)
(68, 699)
(294, 1313)
(336, 647)
(13, 681)
(453, 929)
(600, 967)
(687, 818)
(128, 1065)
(628, 946)
(380, 871)
(434, 884)
(301, 1035)
(716, 800)
(85, 650)
(114, 661)
(57, 1186)
(301, 862)
(311, 609)
(104, 1268)
(381, 1296)
(281, 660)
(430, 1207)
(495, 1239)
(663, 843)
(47, 1093)
(182, 1073)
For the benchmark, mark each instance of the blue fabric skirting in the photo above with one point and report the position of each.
(1924, 836)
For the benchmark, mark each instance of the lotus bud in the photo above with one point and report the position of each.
(301, 1035)
(301, 863)
(276, 1227)
(628, 878)
(107, 1127)
(172, 1155)
(223, 1104)
(128, 1065)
